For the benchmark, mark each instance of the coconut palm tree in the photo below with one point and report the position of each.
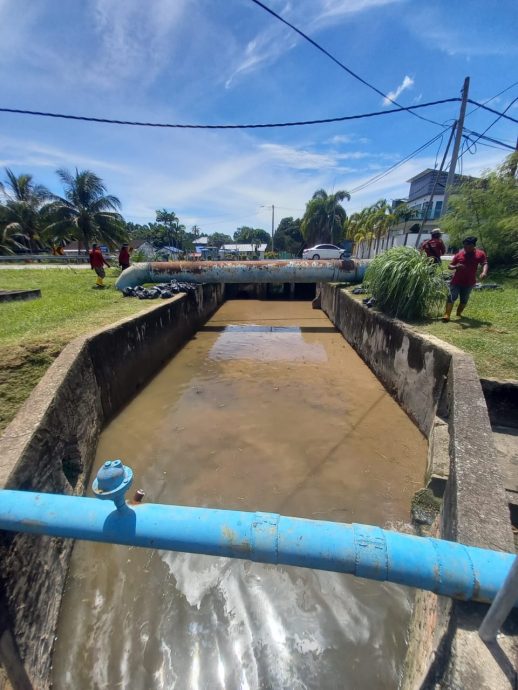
(359, 227)
(86, 212)
(403, 213)
(9, 239)
(324, 217)
(382, 219)
(22, 210)
(174, 229)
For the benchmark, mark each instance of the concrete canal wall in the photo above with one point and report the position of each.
(50, 446)
(438, 386)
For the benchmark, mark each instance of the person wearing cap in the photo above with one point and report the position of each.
(434, 248)
(97, 263)
(124, 257)
(465, 264)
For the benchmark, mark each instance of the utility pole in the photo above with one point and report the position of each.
(437, 176)
(273, 224)
(456, 145)
(273, 220)
(515, 164)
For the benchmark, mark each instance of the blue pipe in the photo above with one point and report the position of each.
(447, 568)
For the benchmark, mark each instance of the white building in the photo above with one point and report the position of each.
(245, 250)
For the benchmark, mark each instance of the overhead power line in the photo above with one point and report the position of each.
(507, 88)
(494, 141)
(340, 64)
(500, 115)
(105, 120)
(496, 112)
(383, 174)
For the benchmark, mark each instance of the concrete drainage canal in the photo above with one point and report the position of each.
(266, 408)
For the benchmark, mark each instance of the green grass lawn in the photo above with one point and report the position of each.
(32, 334)
(488, 329)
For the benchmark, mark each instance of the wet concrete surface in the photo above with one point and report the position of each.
(267, 408)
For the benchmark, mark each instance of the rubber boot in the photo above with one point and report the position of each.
(447, 311)
(460, 309)
(99, 282)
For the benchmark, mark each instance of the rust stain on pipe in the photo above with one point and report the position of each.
(284, 271)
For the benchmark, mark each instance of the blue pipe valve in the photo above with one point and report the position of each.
(112, 481)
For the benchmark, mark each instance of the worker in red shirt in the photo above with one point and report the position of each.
(465, 264)
(434, 247)
(124, 257)
(97, 263)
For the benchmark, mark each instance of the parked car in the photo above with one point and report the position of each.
(325, 251)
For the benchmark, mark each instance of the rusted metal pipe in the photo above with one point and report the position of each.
(292, 271)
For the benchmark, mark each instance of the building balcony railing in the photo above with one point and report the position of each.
(419, 215)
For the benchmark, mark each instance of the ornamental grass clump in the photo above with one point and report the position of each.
(406, 284)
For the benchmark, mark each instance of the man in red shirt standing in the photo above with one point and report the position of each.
(97, 263)
(465, 264)
(124, 257)
(434, 247)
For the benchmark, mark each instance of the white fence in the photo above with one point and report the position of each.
(368, 249)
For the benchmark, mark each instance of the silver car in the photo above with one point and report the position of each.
(324, 251)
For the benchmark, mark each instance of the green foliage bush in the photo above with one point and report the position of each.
(406, 283)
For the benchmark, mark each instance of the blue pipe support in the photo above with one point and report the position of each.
(293, 271)
(443, 567)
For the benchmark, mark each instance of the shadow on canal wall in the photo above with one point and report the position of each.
(438, 386)
(50, 447)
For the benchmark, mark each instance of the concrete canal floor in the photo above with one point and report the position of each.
(267, 408)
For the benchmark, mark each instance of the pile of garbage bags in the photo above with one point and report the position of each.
(163, 290)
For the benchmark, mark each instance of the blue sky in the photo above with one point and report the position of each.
(228, 61)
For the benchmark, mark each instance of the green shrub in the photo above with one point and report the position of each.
(406, 283)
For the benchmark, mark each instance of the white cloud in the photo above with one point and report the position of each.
(264, 49)
(440, 29)
(298, 159)
(393, 95)
(353, 155)
(329, 11)
(269, 44)
(348, 139)
(135, 39)
(23, 152)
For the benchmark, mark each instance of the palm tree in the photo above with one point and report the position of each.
(86, 211)
(358, 228)
(324, 217)
(174, 228)
(9, 240)
(22, 211)
(403, 213)
(382, 219)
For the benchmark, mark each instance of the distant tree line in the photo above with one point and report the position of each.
(34, 219)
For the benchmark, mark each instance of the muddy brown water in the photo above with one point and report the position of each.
(266, 408)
